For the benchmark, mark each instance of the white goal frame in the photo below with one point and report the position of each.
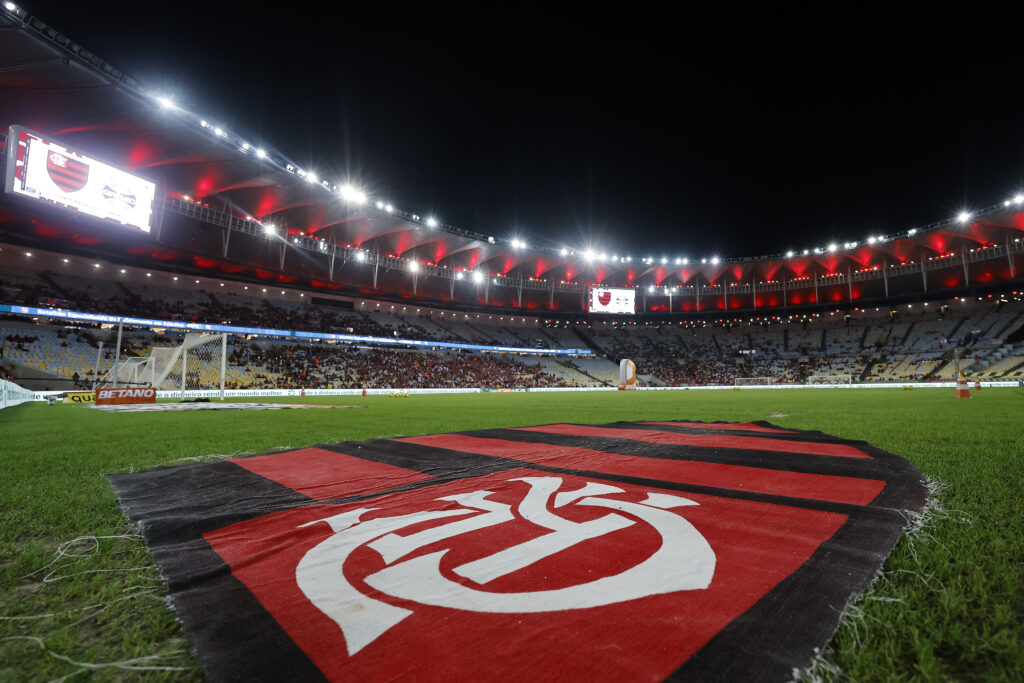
(199, 362)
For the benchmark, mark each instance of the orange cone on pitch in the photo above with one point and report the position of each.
(977, 384)
(961, 386)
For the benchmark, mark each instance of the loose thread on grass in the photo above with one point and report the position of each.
(144, 663)
(819, 670)
(72, 550)
(220, 456)
(853, 616)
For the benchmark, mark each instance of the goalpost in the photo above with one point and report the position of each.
(754, 381)
(198, 363)
(830, 379)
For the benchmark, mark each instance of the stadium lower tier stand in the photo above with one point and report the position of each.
(908, 343)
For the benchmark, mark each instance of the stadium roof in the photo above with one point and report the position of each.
(55, 86)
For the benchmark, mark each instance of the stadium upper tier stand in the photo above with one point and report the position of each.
(259, 240)
(908, 342)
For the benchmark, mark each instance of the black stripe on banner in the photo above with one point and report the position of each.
(812, 592)
(500, 464)
(812, 436)
(904, 482)
(229, 494)
(792, 462)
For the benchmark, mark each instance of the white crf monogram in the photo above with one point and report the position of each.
(684, 560)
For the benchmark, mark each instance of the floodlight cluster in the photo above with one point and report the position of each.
(351, 194)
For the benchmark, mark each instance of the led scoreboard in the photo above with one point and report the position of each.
(42, 168)
(611, 300)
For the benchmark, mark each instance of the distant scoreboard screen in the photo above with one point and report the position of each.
(42, 168)
(612, 300)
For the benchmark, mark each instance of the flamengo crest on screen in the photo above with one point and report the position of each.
(612, 300)
(683, 561)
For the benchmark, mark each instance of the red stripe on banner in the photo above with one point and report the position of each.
(730, 426)
(322, 474)
(754, 479)
(754, 443)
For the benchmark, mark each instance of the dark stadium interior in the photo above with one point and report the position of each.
(243, 234)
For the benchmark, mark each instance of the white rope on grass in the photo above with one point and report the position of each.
(71, 550)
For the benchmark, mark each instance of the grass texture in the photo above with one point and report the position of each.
(949, 605)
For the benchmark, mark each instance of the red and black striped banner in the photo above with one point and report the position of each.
(627, 551)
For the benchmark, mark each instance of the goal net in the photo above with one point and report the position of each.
(754, 381)
(198, 363)
(830, 379)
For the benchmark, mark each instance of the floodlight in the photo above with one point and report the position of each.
(352, 194)
(360, 255)
(260, 153)
(789, 254)
(478, 276)
(431, 222)
(714, 260)
(413, 266)
(564, 251)
(963, 217)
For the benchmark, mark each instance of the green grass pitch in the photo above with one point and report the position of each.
(950, 605)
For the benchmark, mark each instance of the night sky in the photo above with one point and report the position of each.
(631, 130)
